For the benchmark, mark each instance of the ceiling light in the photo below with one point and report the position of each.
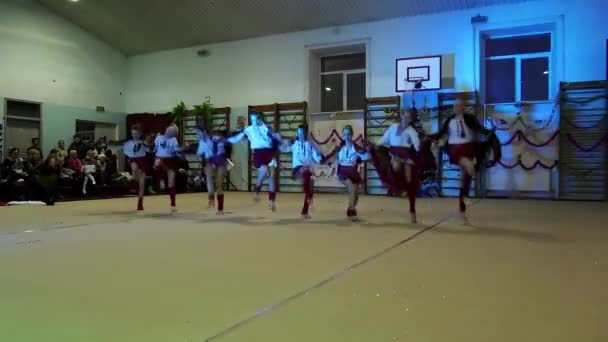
(74, 0)
(327, 88)
(546, 73)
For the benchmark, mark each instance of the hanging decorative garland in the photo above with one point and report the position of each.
(333, 136)
(521, 135)
(509, 126)
(536, 164)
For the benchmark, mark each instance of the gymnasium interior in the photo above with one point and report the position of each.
(79, 263)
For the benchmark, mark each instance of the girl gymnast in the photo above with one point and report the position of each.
(396, 162)
(168, 151)
(462, 131)
(215, 150)
(304, 156)
(349, 156)
(264, 143)
(136, 151)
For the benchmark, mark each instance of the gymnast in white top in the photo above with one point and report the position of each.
(303, 155)
(215, 149)
(264, 143)
(401, 138)
(168, 151)
(349, 156)
(136, 151)
(403, 143)
(460, 130)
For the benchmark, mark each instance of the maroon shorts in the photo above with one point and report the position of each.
(459, 151)
(263, 156)
(142, 164)
(403, 153)
(165, 164)
(349, 172)
(218, 161)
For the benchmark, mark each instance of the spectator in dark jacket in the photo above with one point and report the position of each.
(112, 164)
(80, 147)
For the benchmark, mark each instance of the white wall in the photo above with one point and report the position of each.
(274, 68)
(45, 58)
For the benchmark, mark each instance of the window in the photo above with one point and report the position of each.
(86, 131)
(343, 82)
(22, 124)
(90, 131)
(517, 68)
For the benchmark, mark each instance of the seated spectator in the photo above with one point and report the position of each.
(102, 166)
(35, 146)
(32, 168)
(92, 150)
(13, 169)
(62, 154)
(54, 153)
(79, 147)
(89, 169)
(101, 146)
(32, 165)
(73, 163)
(112, 164)
(4, 191)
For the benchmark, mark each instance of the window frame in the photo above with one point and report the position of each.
(344, 74)
(8, 117)
(518, 61)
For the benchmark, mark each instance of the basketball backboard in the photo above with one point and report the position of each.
(418, 73)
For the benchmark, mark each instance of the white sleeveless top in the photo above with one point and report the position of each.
(166, 147)
(134, 149)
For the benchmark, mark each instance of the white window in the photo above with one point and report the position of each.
(517, 68)
(343, 82)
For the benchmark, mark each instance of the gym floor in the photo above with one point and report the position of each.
(96, 271)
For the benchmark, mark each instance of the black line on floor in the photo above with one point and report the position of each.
(327, 280)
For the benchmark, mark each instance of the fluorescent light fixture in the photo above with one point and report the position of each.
(546, 73)
(327, 88)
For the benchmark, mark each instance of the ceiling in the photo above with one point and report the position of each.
(141, 26)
